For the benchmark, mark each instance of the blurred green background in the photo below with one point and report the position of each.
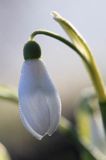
(18, 19)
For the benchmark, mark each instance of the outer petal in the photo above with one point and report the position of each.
(39, 103)
(55, 112)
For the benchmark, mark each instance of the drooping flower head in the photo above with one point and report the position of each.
(39, 102)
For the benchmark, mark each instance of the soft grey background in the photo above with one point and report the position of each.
(18, 19)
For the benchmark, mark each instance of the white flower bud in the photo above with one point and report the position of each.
(39, 102)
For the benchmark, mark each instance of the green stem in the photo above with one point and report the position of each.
(91, 65)
(97, 80)
(81, 44)
(58, 37)
(92, 152)
(103, 113)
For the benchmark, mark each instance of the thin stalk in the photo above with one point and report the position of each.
(58, 37)
(91, 65)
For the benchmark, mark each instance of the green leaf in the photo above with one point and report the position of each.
(4, 155)
(8, 93)
(74, 35)
(88, 151)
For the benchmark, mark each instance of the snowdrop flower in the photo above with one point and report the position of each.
(39, 102)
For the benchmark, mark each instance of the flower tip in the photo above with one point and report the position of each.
(55, 15)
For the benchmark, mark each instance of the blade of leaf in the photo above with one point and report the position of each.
(4, 155)
(74, 35)
(8, 93)
(87, 150)
(82, 121)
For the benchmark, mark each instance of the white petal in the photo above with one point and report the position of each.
(40, 107)
(55, 112)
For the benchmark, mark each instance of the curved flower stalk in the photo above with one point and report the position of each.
(73, 34)
(39, 102)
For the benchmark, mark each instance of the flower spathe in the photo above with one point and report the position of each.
(39, 102)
